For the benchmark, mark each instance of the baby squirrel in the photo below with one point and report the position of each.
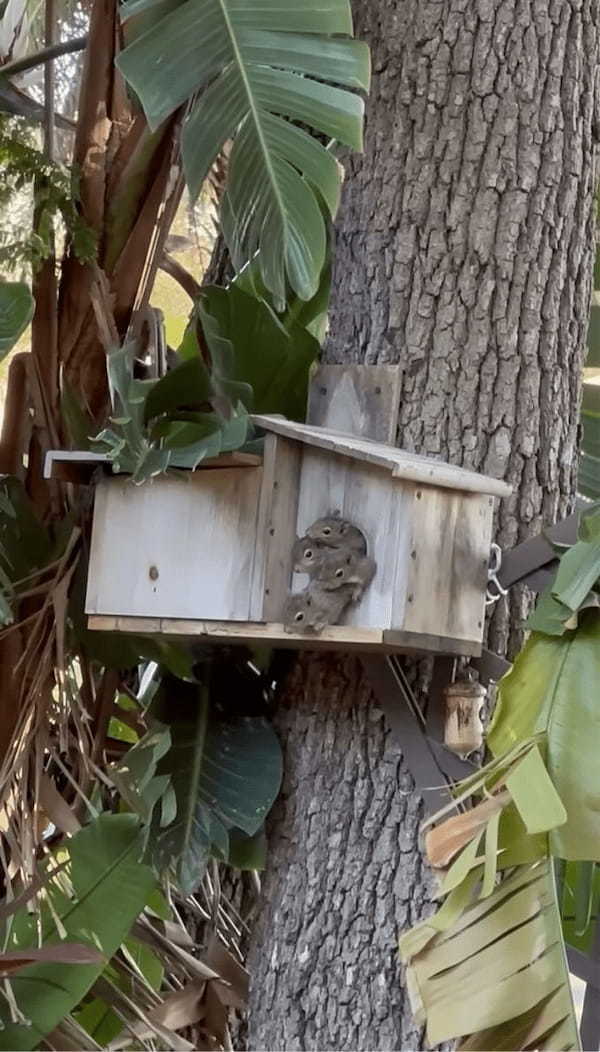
(335, 532)
(315, 608)
(333, 554)
(333, 567)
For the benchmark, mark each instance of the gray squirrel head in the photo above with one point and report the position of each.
(334, 532)
(305, 555)
(297, 612)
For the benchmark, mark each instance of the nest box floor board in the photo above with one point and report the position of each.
(335, 637)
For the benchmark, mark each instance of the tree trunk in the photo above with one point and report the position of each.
(464, 252)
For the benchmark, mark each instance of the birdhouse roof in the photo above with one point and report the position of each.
(399, 462)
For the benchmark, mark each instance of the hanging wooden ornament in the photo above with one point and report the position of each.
(463, 729)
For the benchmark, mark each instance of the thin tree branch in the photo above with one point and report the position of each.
(174, 269)
(21, 65)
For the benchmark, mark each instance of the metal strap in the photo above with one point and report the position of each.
(523, 563)
(420, 753)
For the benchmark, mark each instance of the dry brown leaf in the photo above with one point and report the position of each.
(59, 953)
(233, 991)
(183, 1008)
(445, 841)
(216, 1016)
(56, 807)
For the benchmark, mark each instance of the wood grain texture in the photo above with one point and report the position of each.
(359, 399)
(334, 637)
(276, 530)
(369, 498)
(76, 465)
(447, 568)
(175, 547)
(342, 638)
(402, 464)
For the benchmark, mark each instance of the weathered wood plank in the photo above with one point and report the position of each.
(276, 530)
(404, 642)
(366, 496)
(177, 547)
(358, 399)
(75, 465)
(401, 463)
(448, 565)
(335, 637)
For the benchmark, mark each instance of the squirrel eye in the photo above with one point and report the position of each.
(299, 616)
(327, 530)
(339, 573)
(308, 553)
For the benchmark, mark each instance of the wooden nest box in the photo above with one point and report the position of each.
(209, 555)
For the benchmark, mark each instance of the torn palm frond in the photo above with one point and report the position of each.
(491, 961)
(497, 976)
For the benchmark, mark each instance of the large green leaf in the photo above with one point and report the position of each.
(135, 775)
(16, 311)
(251, 67)
(142, 453)
(578, 571)
(272, 359)
(188, 384)
(497, 974)
(225, 773)
(106, 889)
(552, 690)
(310, 314)
(580, 902)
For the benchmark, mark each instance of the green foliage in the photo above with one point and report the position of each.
(274, 65)
(579, 890)
(204, 780)
(96, 900)
(251, 345)
(170, 442)
(198, 784)
(499, 974)
(54, 188)
(16, 311)
(574, 588)
(310, 314)
(551, 690)
(545, 740)
(490, 966)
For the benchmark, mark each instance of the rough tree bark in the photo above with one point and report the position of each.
(464, 252)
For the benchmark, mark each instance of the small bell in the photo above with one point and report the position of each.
(463, 729)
